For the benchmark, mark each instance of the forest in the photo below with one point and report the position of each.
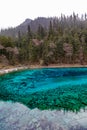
(62, 41)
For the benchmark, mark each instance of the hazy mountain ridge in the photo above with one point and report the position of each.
(13, 32)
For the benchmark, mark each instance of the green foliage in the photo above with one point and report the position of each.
(6, 41)
(71, 30)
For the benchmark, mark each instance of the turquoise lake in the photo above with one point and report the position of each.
(46, 88)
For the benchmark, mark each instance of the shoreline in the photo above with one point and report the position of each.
(57, 66)
(36, 119)
(8, 69)
(5, 70)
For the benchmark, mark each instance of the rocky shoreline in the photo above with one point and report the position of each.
(15, 116)
(4, 71)
(8, 69)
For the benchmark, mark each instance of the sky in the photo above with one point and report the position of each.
(14, 12)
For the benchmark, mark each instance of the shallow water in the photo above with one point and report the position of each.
(48, 88)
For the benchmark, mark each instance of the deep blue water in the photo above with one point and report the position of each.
(28, 82)
(42, 79)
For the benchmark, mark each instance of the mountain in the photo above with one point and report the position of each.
(26, 22)
(13, 32)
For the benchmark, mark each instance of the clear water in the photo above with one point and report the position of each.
(53, 88)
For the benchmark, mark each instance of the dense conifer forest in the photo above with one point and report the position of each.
(60, 40)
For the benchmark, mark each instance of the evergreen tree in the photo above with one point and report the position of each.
(29, 33)
(41, 32)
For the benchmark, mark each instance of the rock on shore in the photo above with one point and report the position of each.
(15, 116)
(4, 71)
